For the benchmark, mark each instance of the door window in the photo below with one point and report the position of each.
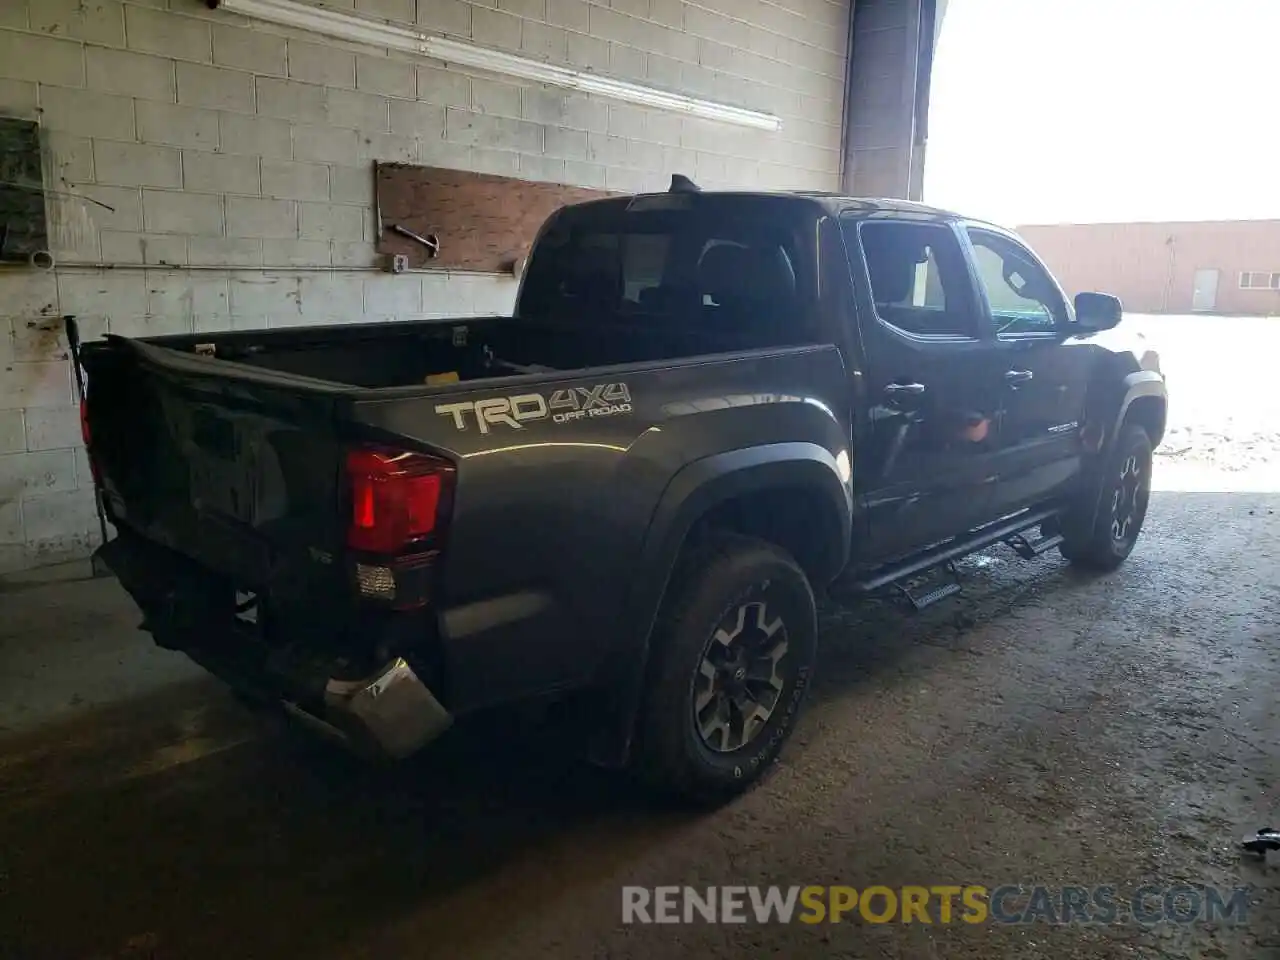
(919, 284)
(1023, 297)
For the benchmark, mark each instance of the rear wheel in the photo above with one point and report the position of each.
(733, 653)
(1121, 506)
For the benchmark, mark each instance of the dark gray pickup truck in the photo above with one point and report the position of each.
(706, 407)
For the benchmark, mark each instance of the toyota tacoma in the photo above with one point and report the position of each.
(705, 408)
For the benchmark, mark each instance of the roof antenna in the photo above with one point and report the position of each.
(682, 184)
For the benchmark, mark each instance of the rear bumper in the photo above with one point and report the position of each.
(389, 713)
(385, 711)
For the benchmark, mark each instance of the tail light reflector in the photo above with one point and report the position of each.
(88, 438)
(397, 499)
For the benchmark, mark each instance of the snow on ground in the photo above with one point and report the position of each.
(1224, 393)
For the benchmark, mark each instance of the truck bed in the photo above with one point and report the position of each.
(235, 467)
(434, 352)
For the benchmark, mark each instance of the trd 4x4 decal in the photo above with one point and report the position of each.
(562, 406)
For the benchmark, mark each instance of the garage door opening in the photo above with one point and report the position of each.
(1123, 142)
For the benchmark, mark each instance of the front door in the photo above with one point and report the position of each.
(1045, 377)
(1204, 290)
(926, 451)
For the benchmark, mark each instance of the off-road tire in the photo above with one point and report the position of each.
(712, 582)
(1096, 546)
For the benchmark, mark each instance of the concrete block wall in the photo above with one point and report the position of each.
(885, 158)
(209, 172)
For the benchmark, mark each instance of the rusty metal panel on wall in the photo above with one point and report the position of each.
(457, 220)
(23, 229)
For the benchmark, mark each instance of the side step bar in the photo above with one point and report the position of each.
(955, 549)
(927, 598)
(1030, 549)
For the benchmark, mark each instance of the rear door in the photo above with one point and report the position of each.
(1044, 377)
(926, 455)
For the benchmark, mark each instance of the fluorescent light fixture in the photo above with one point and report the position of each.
(495, 61)
(361, 30)
(327, 22)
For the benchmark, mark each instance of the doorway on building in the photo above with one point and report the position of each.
(1204, 291)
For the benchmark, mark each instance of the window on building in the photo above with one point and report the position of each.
(1259, 280)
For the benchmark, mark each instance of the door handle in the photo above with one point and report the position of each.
(901, 391)
(1016, 378)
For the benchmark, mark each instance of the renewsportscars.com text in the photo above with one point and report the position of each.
(940, 904)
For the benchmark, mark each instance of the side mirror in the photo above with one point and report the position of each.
(1098, 311)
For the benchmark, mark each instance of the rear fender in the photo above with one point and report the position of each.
(691, 495)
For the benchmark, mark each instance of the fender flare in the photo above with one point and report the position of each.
(695, 489)
(1140, 383)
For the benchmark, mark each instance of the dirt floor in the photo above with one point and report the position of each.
(1043, 728)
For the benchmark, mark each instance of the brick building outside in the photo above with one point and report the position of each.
(1229, 267)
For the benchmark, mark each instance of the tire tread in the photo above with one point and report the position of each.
(1089, 546)
(662, 760)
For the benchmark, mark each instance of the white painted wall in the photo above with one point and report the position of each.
(236, 158)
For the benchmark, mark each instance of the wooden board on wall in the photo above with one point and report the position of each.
(483, 222)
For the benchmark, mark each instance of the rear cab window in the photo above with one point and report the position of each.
(916, 275)
(731, 266)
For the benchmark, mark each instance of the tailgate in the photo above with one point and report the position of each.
(238, 469)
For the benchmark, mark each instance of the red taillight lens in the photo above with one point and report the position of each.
(396, 498)
(88, 444)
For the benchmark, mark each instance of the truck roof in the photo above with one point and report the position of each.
(833, 202)
(875, 204)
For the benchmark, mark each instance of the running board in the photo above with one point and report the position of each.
(953, 550)
(1030, 549)
(929, 597)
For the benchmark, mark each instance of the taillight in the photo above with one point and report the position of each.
(84, 432)
(397, 499)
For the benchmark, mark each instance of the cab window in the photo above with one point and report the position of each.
(919, 282)
(1023, 297)
(729, 270)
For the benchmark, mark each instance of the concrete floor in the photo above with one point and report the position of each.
(1043, 728)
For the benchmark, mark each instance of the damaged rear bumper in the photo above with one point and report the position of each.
(386, 711)
(391, 710)
(390, 713)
